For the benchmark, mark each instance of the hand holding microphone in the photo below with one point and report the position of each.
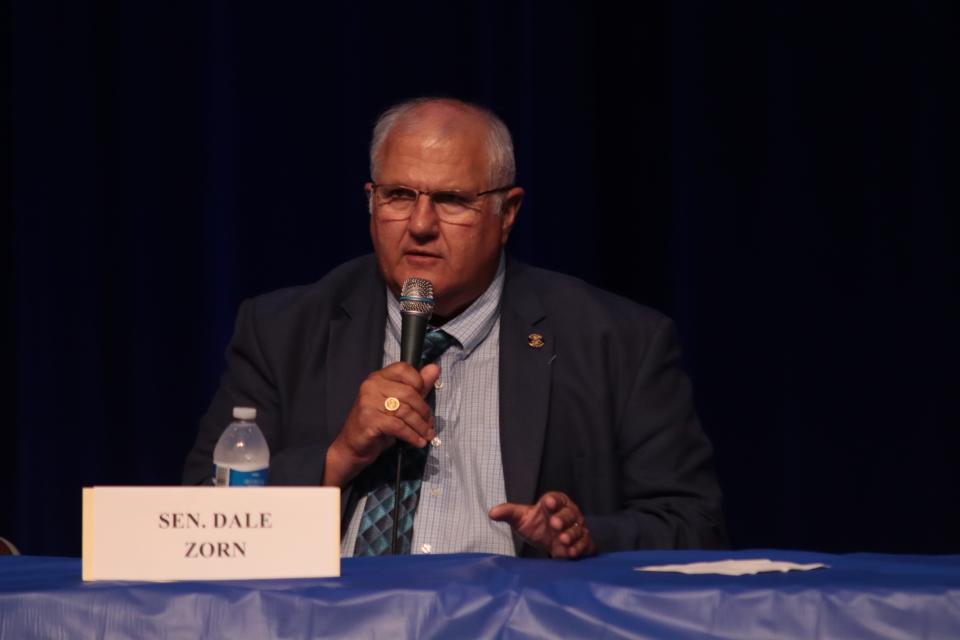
(372, 425)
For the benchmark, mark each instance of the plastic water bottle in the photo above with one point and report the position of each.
(241, 458)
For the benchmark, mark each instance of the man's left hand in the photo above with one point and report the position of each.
(553, 524)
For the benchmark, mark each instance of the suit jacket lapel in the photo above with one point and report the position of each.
(355, 346)
(524, 383)
(354, 350)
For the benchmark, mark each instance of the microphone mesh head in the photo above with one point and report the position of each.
(417, 297)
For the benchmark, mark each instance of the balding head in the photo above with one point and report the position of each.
(436, 118)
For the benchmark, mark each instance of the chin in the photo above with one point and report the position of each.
(431, 272)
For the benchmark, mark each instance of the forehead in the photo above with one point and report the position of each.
(436, 153)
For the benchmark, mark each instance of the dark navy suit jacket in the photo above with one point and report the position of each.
(602, 411)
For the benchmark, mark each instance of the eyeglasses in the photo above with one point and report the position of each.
(397, 202)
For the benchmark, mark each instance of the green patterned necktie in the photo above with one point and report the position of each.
(376, 524)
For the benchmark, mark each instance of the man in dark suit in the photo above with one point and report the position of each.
(579, 436)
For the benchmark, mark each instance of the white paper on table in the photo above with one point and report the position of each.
(734, 567)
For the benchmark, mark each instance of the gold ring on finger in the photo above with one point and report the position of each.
(391, 404)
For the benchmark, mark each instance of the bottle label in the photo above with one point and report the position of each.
(227, 477)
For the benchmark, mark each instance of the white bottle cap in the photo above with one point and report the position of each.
(245, 413)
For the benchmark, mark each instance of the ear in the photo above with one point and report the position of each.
(508, 212)
(368, 187)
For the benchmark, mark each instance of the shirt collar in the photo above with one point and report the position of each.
(473, 324)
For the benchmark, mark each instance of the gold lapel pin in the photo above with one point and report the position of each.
(535, 340)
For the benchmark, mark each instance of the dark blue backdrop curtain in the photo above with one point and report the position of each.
(779, 178)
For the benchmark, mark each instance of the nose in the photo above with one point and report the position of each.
(423, 220)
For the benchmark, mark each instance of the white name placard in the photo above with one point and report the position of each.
(210, 533)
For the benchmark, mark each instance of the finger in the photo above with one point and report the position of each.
(572, 533)
(579, 547)
(397, 428)
(415, 421)
(405, 394)
(573, 550)
(370, 424)
(430, 374)
(508, 512)
(582, 547)
(376, 389)
(564, 518)
(405, 414)
(402, 373)
(554, 500)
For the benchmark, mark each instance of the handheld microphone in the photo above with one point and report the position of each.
(416, 307)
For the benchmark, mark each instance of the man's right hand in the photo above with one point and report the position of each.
(370, 428)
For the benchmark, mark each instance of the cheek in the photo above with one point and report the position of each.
(461, 250)
(480, 243)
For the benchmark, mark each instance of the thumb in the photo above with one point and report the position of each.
(429, 373)
(507, 512)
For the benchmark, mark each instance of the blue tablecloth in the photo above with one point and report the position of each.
(467, 596)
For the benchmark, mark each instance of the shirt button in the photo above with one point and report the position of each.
(434, 492)
(438, 384)
(426, 548)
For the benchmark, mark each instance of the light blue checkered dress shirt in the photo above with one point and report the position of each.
(464, 475)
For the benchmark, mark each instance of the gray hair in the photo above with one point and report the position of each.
(503, 165)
